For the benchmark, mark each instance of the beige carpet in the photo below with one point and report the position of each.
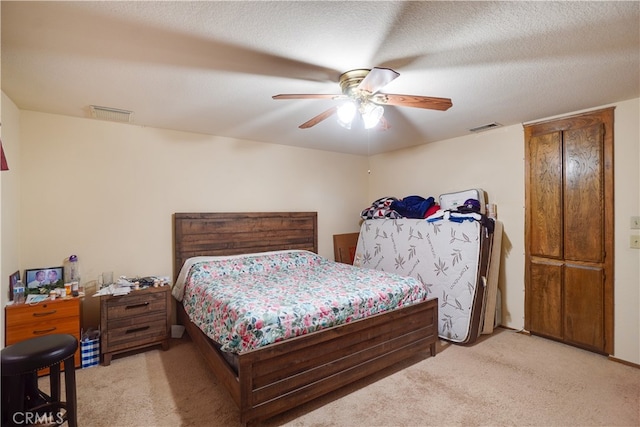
(506, 379)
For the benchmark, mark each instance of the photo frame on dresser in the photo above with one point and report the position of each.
(38, 278)
(13, 280)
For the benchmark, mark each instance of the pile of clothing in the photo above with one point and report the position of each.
(414, 207)
(418, 207)
(408, 207)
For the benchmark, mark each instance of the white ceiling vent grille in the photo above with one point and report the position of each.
(485, 127)
(111, 114)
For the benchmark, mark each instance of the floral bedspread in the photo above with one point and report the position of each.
(247, 302)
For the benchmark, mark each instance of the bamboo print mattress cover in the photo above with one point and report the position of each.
(442, 254)
(248, 301)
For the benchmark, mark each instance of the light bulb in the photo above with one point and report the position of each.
(346, 113)
(371, 115)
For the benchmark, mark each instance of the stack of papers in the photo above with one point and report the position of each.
(115, 289)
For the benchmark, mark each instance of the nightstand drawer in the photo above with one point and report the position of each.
(136, 305)
(124, 333)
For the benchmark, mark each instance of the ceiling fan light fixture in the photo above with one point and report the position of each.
(371, 115)
(362, 88)
(346, 112)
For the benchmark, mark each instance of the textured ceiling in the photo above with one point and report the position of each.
(212, 67)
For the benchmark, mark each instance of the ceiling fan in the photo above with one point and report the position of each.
(360, 91)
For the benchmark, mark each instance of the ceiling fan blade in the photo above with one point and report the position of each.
(320, 117)
(428, 102)
(377, 79)
(307, 96)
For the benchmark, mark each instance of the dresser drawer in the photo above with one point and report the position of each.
(49, 311)
(21, 332)
(136, 305)
(26, 321)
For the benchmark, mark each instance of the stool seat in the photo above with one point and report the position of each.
(37, 353)
(22, 401)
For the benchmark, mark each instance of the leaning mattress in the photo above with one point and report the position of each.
(447, 256)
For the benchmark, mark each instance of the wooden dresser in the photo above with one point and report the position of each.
(136, 320)
(60, 316)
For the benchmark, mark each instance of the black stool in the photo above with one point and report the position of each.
(22, 402)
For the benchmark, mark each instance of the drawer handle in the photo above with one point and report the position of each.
(44, 331)
(131, 331)
(136, 305)
(45, 313)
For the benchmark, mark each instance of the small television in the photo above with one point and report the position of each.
(43, 278)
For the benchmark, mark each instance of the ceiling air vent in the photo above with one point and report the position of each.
(485, 127)
(111, 114)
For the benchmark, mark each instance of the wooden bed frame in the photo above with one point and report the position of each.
(281, 376)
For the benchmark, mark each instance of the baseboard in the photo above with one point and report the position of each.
(519, 331)
(624, 362)
(612, 358)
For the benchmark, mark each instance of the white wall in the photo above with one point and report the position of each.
(627, 204)
(9, 201)
(107, 191)
(494, 161)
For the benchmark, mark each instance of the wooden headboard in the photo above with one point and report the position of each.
(213, 234)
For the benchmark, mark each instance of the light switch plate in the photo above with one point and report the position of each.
(635, 222)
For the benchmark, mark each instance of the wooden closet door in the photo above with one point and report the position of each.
(569, 230)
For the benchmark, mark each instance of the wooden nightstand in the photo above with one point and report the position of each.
(136, 320)
(60, 316)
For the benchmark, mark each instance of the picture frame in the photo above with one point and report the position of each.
(13, 280)
(38, 280)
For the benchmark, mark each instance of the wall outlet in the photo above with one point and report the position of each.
(635, 222)
(634, 242)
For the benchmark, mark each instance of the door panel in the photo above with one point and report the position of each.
(545, 204)
(546, 297)
(583, 305)
(583, 194)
